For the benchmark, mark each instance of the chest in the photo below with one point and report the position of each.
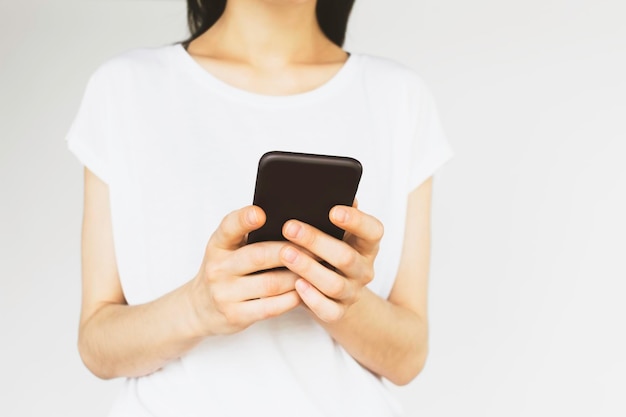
(182, 166)
(294, 79)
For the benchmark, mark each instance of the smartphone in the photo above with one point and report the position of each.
(304, 187)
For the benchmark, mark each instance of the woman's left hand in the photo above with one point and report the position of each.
(330, 293)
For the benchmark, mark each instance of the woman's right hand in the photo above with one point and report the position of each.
(228, 294)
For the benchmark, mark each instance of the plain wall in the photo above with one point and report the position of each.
(529, 237)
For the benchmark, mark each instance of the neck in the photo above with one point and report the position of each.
(268, 33)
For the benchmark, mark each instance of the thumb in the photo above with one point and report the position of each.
(233, 228)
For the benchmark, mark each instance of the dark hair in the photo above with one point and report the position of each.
(332, 16)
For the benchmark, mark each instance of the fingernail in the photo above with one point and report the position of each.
(290, 254)
(292, 229)
(340, 215)
(302, 285)
(252, 217)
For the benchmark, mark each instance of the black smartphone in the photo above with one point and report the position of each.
(304, 187)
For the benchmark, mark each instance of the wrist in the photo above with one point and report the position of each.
(353, 307)
(195, 311)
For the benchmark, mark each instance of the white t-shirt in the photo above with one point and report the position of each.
(179, 149)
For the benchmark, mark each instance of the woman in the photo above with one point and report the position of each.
(170, 138)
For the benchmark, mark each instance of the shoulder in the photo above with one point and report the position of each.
(134, 64)
(388, 71)
(395, 85)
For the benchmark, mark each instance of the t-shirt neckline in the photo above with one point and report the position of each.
(332, 85)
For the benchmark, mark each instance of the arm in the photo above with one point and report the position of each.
(389, 337)
(120, 340)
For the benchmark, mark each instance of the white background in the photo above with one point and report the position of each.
(528, 268)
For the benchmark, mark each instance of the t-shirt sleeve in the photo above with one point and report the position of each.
(88, 135)
(430, 148)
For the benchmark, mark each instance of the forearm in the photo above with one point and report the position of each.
(387, 339)
(120, 340)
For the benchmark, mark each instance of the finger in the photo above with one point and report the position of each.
(366, 231)
(263, 308)
(326, 309)
(254, 257)
(267, 284)
(329, 282)
(233, 228)
(334, 251)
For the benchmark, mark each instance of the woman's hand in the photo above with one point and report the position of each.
(228, 294)
(330, 293)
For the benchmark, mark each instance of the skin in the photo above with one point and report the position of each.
(269, 47)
